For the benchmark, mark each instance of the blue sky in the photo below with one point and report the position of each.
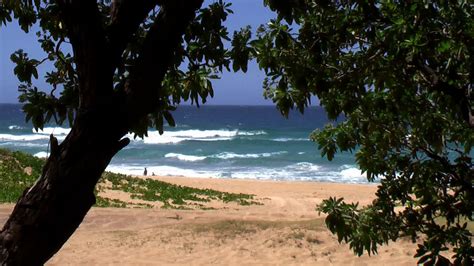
(232, 89)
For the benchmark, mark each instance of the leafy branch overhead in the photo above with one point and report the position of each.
(203, 53)
(400, 73)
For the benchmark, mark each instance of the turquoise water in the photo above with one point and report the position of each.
(213, 141)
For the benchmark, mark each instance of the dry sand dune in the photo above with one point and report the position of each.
(286, 230)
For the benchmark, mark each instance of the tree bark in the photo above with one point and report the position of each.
(51, 210)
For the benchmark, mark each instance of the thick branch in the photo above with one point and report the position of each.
(126, 17)
(85, 31)
(164, 37)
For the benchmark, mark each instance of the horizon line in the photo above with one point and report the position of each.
(200, 105)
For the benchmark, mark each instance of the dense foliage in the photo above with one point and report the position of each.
(401, 73)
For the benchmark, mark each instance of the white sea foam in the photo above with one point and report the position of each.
(182, 135)
(26, 138)
(52, 130)
(183, 157)
(23, 144)
(222, 156)
(13, 127)
(231, 155)
(289, 139)
(10, 137)
(303, 171)
(251, 133)
(59, 132)
(39, 138)
(352, 173)
(173, 137)
(304, 166)
(41, 154)
(168, 137)
(160, 171)
(212, 139)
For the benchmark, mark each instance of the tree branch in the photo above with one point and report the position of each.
(144, 83)
(451, 169)
(126, 17)
(85, 31)
(459, 95)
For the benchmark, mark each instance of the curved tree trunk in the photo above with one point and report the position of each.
(49, 212)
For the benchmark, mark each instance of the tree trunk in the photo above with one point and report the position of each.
(48, 213)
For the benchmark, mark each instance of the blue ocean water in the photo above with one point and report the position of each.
(212, 141)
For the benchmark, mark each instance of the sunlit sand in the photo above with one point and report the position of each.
(285, 230)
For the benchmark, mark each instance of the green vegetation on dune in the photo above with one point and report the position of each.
(172, 196)
(19, 171)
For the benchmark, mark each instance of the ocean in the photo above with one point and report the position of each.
(251, 142)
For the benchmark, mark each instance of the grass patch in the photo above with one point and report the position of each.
(172, 196)
(19, 171)
(233, 228)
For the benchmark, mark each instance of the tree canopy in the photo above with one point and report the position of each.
(400, 73)
(127, 27)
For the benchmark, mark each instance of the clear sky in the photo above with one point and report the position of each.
(234, 89)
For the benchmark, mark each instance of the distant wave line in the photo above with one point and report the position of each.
(302, 171)
(290, 139)
(222, 156)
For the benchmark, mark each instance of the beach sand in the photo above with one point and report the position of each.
(285, 230)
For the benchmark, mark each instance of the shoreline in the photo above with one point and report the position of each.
(252, 179)
(285, 230)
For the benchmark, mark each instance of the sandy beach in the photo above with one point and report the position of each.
(284, 230)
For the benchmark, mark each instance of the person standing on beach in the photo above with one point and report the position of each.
(145, 172)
